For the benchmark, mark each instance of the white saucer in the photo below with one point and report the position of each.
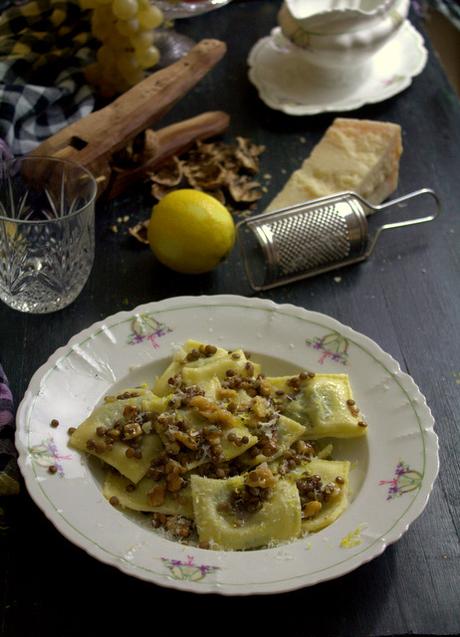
(283, 77)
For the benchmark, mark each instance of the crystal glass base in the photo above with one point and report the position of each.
(35, 298)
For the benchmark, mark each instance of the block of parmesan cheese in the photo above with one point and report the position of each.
(354, 154)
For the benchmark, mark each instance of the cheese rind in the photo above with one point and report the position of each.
(354, 155)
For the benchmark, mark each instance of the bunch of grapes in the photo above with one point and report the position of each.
(125, 28)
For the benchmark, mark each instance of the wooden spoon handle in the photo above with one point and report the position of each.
(171, 140)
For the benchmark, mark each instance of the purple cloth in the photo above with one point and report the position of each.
(9, 473)
(6, 402)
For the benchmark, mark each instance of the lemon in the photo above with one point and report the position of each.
(190, 231)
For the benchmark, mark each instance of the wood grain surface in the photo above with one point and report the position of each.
(406, 297)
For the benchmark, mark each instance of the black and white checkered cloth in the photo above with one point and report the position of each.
(44, 46)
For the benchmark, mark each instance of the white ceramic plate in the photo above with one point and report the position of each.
(284, 79)
(393, 470)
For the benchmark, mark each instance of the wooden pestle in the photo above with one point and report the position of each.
(92, 140)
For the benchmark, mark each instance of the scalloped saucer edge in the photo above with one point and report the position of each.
(280, 75)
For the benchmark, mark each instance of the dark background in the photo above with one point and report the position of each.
(405, 297)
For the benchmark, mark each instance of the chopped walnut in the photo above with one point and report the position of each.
(172, 466)
(212, 412)
(261, 477)
(245, 189)
(177, 525)
(260, 408)
(311, 509)
(223, 393)
(132, 430)
(156, 496)
(130, 412)
(174, 482)
(186, 440)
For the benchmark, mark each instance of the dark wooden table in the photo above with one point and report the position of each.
(406, 298)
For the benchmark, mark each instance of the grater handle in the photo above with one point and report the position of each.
(401, 224)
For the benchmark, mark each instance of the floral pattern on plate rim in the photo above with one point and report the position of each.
(333, 345)
(46, 454)
(188, 570)
(145, 327)
(405, 480)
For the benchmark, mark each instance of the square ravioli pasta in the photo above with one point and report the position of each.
(229, 517)
(322, 403)
(220, 455)
(119, 432)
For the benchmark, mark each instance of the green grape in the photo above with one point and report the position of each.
(125, 9)
(136, 76)
(147, 57)
(127, 64)
(104, 14)
(125, 29)
(110, 74)
(117, 42)
(113, 75)
(128, 28)
(150, 18)
(106, 56)
(101, 28)
(142, 40)
(109, 65)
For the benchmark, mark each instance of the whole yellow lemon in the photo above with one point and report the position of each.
(190, 231)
